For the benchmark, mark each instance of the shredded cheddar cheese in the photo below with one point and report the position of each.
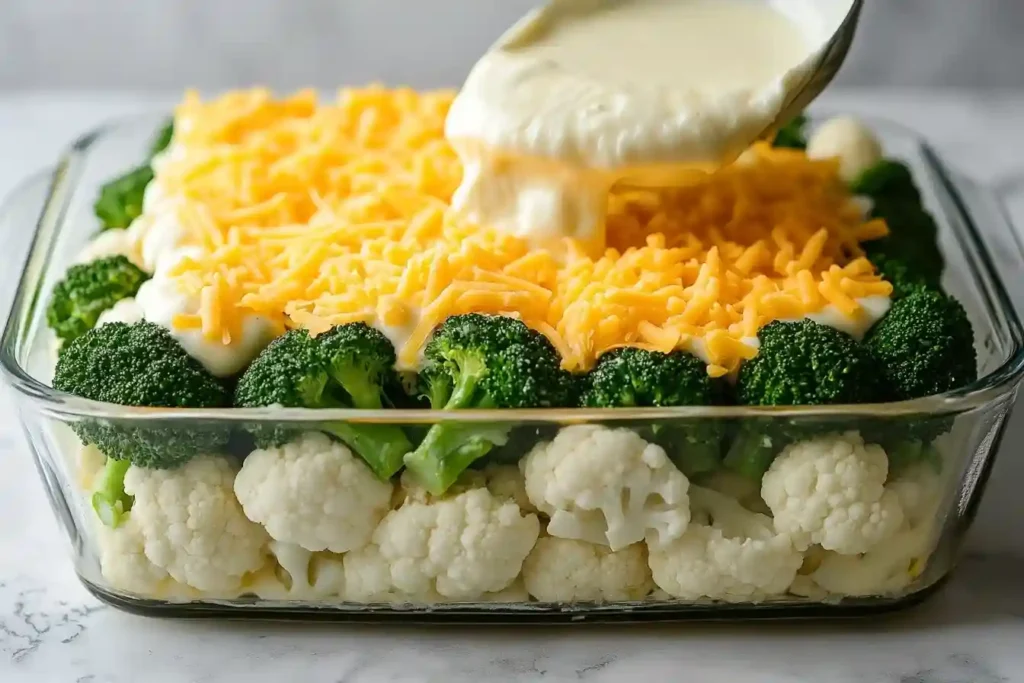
(316, 214)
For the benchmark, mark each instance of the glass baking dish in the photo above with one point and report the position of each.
(981, 251)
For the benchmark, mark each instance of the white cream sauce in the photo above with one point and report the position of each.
(583, 94)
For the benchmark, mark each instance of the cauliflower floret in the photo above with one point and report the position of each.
(299, 574)
(124, 311)
(727, 553)
(888, 567)
(506, 481)
(919, 489)
(123, 560)
(607, 486)
(743, 489)
(90, 463)
(565, 570)
(457, 547)
(850, 141)
(831, 491)
(368, 579)
(503, 481)
(891, 565)
(515, 592)
(162, 301)
(192, 526)
(314, 493)
(113, 242)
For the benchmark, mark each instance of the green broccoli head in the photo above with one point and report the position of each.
(299, 371)
(904, 279)
(361, 360)
(482, 361)
(805, 363)
(792, 135)
(913, 235)
(435, 386)
(799, 363)
(162, 140)
(887, 179)
(924, 345)
(497, 361)
(140, 365)
(120, 200)
(637, 377)
(87, 290)
(289, 372)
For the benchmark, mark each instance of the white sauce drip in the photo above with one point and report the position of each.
(161, 300)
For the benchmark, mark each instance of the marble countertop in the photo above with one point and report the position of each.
(52, 630)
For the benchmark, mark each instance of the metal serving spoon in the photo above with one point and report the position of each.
(824, 71)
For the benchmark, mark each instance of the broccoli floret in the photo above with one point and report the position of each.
(904, 279)
(87, 290)
(342, 368)
(792, 135)
(162, 140)
(362, 361)
(482, 361)
(913, 235)
(109, 499)
(140, 365)
(888, 179)
(120, 200)
(924, 345)
(805, 363)
(637, 377)
(798, 363)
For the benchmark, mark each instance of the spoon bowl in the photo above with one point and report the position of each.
(824, 71)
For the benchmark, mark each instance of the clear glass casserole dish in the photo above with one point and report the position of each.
(939, 502)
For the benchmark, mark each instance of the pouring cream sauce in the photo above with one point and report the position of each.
(581, 95)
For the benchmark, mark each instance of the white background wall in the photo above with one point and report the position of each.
(168, 44)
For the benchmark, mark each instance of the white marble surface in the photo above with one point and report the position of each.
(52, 630)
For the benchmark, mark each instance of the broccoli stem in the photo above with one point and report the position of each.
(381, 446)
(449, 449)
(693, 450)
(905, 453)
(365, 393)
(109, 499)
(751, 453)
(464, 391)
(695, 458)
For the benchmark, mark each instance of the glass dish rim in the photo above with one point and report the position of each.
(986, 389)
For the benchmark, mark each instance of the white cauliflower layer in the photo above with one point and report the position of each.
(309, 521)
(459, 547)
(607, 486)
(566, 570)
(312, 492)
(831, 491)
(728, 553)
(192, 526)
(123, 560)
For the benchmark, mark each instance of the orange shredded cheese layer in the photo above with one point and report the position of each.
(316, 214)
